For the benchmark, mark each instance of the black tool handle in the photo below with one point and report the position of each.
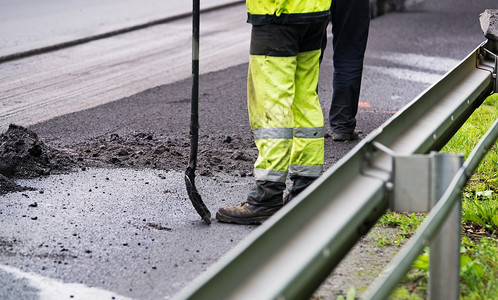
(193, 194)
(194, 110)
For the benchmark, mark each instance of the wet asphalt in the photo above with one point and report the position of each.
(133, 233)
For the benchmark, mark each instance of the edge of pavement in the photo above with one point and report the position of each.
(117, 31)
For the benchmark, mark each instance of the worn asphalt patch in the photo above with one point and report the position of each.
(117, 229)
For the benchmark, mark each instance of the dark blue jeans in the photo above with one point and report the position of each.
(350, 23)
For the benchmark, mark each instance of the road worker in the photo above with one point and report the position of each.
(284, 111)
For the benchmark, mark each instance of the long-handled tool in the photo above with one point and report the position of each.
(193, 194)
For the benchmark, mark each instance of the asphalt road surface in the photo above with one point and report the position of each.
(130, 232)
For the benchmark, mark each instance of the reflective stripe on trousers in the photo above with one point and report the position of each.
(285, 113)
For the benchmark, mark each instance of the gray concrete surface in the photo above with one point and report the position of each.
(28, 24)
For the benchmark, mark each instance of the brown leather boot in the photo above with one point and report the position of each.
(246, 213)
(263, 200)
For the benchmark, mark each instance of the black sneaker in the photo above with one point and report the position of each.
(345, 136)
(246, 213)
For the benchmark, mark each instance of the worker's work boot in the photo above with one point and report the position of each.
(263, 201)
(345, 136)
(299, 183)
(246, 213)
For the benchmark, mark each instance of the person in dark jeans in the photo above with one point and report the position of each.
(350, 25)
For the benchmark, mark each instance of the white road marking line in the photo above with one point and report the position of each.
(405, 74)
(435, 63)
(51, 289)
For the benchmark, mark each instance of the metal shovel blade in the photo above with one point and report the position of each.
(196, 199)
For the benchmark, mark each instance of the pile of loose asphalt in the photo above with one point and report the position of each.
(24, 155)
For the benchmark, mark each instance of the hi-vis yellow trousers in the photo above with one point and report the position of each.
(284, 111)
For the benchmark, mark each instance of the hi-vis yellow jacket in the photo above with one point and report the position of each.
(262, 12)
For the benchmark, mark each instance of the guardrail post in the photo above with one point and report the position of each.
(419, 182)
(444, 266)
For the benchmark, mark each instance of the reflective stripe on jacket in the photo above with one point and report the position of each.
(262, 12)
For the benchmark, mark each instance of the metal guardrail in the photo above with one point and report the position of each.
(290, 255)
(402, 262)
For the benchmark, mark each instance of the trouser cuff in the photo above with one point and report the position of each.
(266, 193)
